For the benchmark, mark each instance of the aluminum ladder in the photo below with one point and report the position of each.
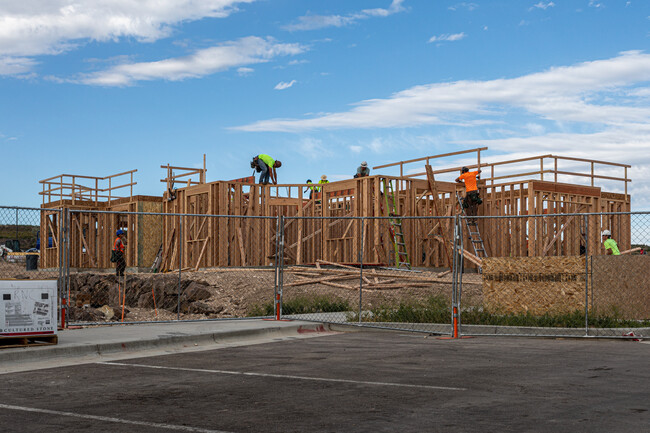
(473, 231)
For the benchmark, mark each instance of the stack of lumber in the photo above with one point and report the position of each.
(348, 277)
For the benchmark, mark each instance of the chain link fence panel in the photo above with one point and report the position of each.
(177, 267)
(549, 275)
(387, 273)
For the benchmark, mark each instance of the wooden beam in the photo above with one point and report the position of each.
(198, 261)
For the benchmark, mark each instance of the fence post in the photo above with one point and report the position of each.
(586, 275)
(361, 270)
(455, 278)
(65, 260)
(180, 265)
(279, 254)
(277, 266)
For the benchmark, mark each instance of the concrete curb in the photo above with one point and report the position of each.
(158, 342)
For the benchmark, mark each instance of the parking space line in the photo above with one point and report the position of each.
(111, 419)
(285, 376)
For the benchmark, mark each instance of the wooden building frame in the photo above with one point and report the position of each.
(233, 223)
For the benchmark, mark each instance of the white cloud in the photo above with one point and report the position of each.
(15, 65)
(447, 37)
(282, 85)
(543, 5)
(313, 22)
(561, 94)
(245, 71)
(245, 51)
(595, 4)
(534, 128)
(47, 27)
(312, 148)
(469, 6)
(356, 149)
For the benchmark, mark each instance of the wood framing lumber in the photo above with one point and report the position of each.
(633, 250)
(242, 253)
(198, 261)
(319, 280)
(166, 253)
(341, 286)
(559, 232)
(83, 239)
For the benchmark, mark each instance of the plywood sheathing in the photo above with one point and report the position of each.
(535, 285)
(620, 287)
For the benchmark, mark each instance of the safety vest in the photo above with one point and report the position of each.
(118, 246)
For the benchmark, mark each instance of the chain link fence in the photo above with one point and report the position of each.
(363, 272)
(178, 267)
(538, 275)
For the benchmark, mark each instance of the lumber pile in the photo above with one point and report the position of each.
(348, 277)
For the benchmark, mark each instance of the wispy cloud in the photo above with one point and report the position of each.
(244, 71)
(31, 28)
(542, 5)
(312, 148)
(232, 54)
(283, 85)
(469, 6)
(313, 22)
(447, 37)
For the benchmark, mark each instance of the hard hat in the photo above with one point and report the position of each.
(364, 164)
(606, 233)
(464, 170)
(323, 177)
(308, 181)
(120, 232)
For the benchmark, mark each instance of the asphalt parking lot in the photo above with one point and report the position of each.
(346, 382)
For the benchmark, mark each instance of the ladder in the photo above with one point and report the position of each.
(473, 231)
(395, 228)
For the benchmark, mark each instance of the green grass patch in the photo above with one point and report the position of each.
(438, 310)
(302, 305)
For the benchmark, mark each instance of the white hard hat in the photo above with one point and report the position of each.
(606, 233)
(364, 163)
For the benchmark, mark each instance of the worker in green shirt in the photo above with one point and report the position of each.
(611, 247)
(265, 165)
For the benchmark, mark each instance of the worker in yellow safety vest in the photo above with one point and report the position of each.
(323, 179)
(266, 166)
(311, 188)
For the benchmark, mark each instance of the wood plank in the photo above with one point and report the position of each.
(198, 261)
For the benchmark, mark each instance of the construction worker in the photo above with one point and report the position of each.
(611, 247)
(323, 179)
(311, 188)
(118, 253)
(266, 166)
(362, 170)
(472, 199)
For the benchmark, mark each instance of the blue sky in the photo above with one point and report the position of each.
(101, 87)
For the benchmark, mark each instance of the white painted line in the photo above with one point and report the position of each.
(285, 376)
(110, 419)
